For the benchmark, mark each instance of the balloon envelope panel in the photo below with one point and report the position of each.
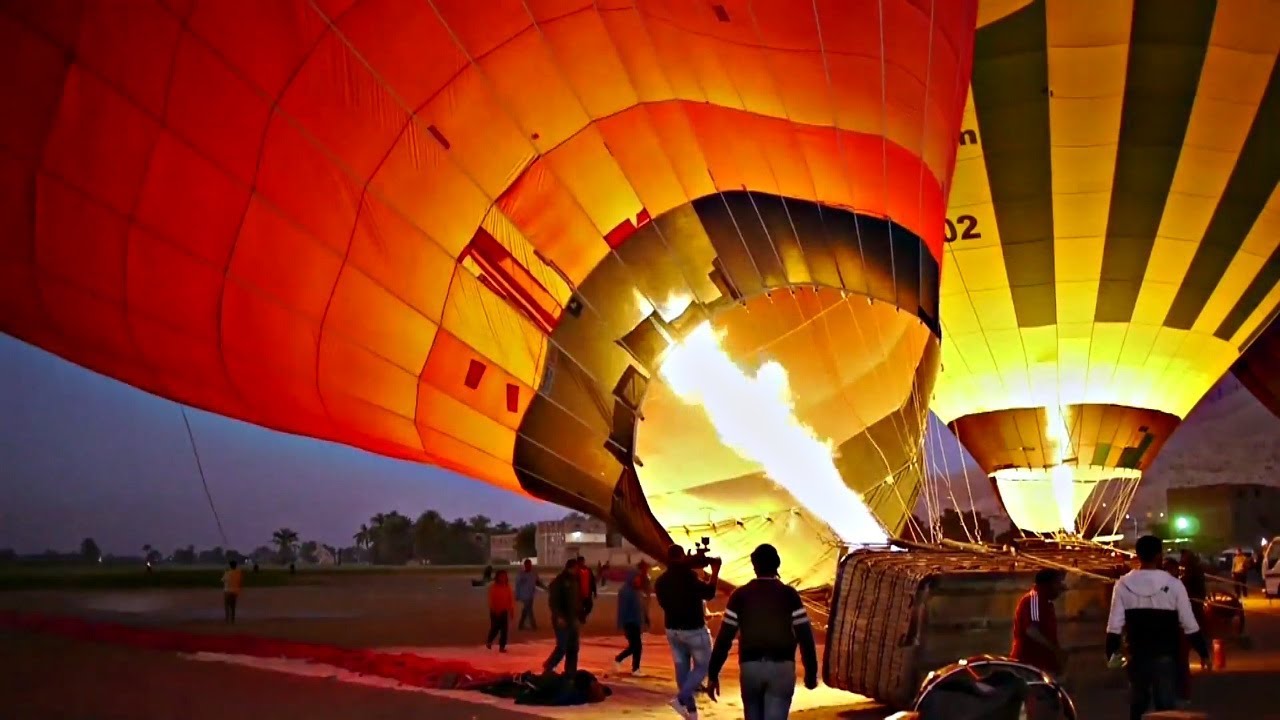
(1259, 368)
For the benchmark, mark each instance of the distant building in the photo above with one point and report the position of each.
(502, 548)
(574, 535)
(1225, 515)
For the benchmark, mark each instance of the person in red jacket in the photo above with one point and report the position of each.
(587, 589)
(1035, 625)
(502, 605)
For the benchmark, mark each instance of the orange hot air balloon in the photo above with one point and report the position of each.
(462, 233)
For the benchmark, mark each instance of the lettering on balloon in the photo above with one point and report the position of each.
(964, 227)
(968, 137)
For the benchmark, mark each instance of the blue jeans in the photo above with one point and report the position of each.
(767, 687)
(566, 649)
(691, 651)
(1152, 682)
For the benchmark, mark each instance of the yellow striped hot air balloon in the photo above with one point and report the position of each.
(1113, 235)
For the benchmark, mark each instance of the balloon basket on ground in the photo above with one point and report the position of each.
(897, 616)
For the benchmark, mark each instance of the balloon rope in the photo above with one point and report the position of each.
(200, 467)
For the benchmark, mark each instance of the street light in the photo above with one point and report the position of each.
(1186, 524)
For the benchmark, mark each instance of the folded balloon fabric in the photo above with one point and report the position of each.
(406, 668)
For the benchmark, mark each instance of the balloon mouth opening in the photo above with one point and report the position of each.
(758, 422)
(1067, 498)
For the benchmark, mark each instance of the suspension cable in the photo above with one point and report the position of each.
(203, 481)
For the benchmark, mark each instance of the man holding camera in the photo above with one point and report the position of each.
(682, 593)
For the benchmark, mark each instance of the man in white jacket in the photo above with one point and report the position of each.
(1151, 608)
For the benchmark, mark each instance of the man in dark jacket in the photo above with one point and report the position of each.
(631, 621)
(772, 621)
(563, 598)
(682, 595)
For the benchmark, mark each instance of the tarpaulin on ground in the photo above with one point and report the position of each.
(550, 689)
(406, 668)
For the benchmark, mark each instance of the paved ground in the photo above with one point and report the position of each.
(49, 677)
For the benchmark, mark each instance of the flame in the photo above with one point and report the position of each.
(755, 418)
(669, 309)
(1061, 476)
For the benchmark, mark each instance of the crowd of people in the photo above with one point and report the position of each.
(1160, 611)
(766, 617)
(1157, 610)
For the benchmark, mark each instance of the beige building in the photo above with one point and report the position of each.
(502, 548)
(574, 535)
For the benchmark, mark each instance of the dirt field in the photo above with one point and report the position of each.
(49, 677)
(403, 609)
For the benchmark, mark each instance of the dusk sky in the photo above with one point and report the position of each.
(85, 456)
(82, 455)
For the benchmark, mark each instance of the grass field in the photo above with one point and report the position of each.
(125, 577)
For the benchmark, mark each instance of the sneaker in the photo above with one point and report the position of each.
(502, 650)
(637, 673)
(617, 669)
(680, 709)
(488, 646)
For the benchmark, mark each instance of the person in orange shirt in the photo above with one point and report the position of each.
(232, 581)
(587, 589)
(502, 606)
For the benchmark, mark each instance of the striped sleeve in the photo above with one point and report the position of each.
(1035, 607)
(799, 616)
(732, 607)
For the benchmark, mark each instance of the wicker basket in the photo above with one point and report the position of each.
(895, 615)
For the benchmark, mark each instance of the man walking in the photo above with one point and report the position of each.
(232, 582)
(772, 621)
(631, 621)
(682, 594)
(1035, 625)
(1151, 608)
(563, 600)
(527, 584)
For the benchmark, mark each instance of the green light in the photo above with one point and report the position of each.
(1181, 523)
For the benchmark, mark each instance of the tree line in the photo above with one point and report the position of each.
(394, 539)
(388, 538)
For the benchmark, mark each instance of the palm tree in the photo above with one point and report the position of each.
(286, 540)
(362, 537)
(479, 524)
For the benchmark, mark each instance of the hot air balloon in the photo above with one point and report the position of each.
(1258, 369)
(496, 237)
(1113, 237)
